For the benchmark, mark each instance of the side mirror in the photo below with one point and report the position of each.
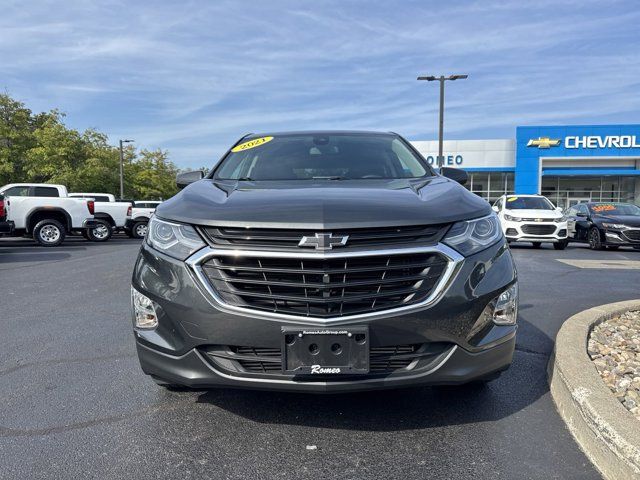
(185, 178)
(581, 214)
(558, 209)
(495, 209)
(455, 174)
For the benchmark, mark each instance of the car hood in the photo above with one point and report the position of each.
(628, 220)
(533, 213)
(323, 204)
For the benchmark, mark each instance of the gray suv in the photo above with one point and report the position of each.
(324, 262)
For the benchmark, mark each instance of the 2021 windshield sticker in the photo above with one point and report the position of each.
(256, 142)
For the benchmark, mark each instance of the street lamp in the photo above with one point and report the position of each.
(441, 79)
(122, 167)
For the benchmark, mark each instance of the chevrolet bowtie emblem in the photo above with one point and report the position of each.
(544, 142)
(324, 241)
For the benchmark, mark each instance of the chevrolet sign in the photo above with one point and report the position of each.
(596, 141)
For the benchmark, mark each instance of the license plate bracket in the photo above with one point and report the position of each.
(325, 351)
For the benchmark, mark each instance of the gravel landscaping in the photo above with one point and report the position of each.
(614, 347)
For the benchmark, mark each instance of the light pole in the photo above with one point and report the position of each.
(122, 167)
(441, 79)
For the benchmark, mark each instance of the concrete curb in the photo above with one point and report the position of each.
(605, 430)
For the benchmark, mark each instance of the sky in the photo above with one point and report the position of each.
(191, 77)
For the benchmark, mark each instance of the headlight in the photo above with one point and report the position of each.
(144, 313)
(509, 218)
(175, 239)
(471, 236)
(618, 226)
(504, 309)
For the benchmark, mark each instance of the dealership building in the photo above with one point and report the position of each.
(568, 164)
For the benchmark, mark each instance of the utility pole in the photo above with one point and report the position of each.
(441, 79)
(122, 167)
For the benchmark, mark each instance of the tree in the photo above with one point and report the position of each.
(152, 175)
(41, 148)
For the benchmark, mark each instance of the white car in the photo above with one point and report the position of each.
(44, 211)
(112, 216)
(142, 212)
(531, 218)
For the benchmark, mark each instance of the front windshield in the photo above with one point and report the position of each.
(331, 156)
(528, 203)
(614, 209)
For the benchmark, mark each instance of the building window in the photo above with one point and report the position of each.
(491, 185)
(565, 192)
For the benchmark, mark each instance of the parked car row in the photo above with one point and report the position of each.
(533, 218)
(49, 213)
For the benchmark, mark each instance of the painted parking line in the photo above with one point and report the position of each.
(602, 264)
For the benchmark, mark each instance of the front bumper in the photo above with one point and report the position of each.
(627, 237)
(190, 322)
(526, 231)
(456, 367)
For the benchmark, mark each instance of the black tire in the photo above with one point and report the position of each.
(560, 245)
(595, 241)
(139, 230)
(85, 234)
(101, 233)
(536, 244)
(49, 233)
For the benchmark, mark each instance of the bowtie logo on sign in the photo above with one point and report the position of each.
(544, 142)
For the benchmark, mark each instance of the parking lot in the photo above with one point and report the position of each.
(75, 404)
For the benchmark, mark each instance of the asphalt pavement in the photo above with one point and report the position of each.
(75, 404)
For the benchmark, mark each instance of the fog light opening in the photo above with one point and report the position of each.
(505, 306)
(144, 313)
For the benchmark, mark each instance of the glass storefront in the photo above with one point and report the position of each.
(567, 191)
(491, 185)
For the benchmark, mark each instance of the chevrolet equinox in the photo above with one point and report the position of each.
(324, 262)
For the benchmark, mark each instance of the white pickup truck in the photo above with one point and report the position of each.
(111, 216)
(142, 211)
(44, 211)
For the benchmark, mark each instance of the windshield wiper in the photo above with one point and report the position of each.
(245, 179)
(331, 177)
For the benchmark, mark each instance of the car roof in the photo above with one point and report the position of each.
(320, 133)
(518, 195)
(34, 185)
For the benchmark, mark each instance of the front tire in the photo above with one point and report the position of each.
(101, 233)
(536, 244)
(595, 242)
(49, 233)
(139, 230)
(560, 245)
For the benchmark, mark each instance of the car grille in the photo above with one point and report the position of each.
(263, 360)
(324, 287)
(633, 235)
(288, 239)
(538, 229)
